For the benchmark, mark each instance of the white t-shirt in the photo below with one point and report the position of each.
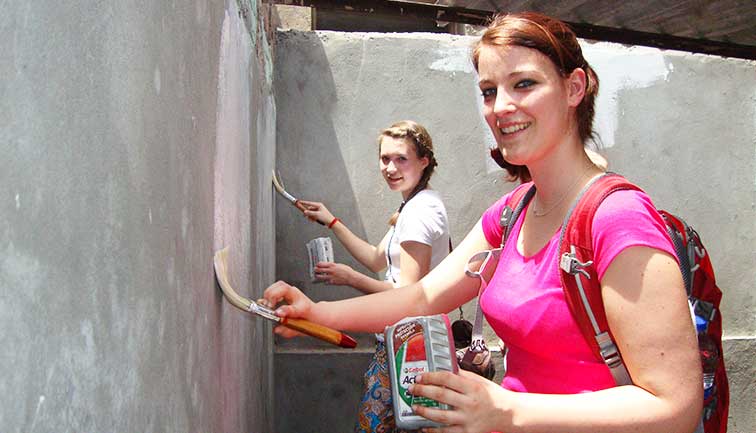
(423, 220)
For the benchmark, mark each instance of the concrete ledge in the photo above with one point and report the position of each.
(741, 375)
(316, 393)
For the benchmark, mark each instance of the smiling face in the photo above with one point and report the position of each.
(400, 166)
(527, 104)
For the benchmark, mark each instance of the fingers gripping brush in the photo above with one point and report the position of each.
(321, 332)
(278, 184)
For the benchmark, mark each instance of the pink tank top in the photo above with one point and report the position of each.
(525, 305)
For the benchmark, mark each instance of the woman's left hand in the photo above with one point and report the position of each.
(334, 273)
(479, 405)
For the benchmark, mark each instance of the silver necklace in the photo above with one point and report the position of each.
(561, 199)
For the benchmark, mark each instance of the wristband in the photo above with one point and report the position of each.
(335, 220)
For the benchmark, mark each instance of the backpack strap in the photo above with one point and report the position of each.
(516, 202)
(509, 214)
(694, 261)
(579, 278)
(679, 232)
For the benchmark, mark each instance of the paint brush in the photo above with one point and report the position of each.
(278, 184)
(304, 326)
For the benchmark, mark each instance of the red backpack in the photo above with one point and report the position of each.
(583, 292)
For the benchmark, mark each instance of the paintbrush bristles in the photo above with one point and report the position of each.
(219, 263)
(277, 183)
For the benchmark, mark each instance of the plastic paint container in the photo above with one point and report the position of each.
(414, 346)
(319, 250)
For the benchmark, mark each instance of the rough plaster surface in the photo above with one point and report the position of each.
(682, 126)
(115, 119)
(327, 383)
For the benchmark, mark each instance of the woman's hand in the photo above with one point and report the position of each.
(317, 211)
(296, 305)
(479, 405)
(337, 274)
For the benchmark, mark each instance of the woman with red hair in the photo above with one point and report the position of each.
(538, 96)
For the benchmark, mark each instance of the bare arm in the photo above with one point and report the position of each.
(414, 262)
(372, 257)
(647, 311)
(414, 258)
(444, 288)
(342, 275)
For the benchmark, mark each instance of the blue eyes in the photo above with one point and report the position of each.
(524, 84)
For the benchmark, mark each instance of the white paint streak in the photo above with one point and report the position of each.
(455, 59)
(87, 331)
(232, 141)
(267, 56)
(184, 222)
(620, 69)
(149, 214)
(219, 142)
(18, 201)
(156, 79)
(36, 412)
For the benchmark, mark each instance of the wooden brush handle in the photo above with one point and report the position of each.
(321, 332)
(303, 208)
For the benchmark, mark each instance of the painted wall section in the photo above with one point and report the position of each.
(682, 126)
(137, 137)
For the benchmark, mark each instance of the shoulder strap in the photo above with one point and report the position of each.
(686, 243)
(511, 211)
(579, 277)
(509, 214)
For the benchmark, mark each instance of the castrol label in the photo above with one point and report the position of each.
(417, 345)
(411, 361)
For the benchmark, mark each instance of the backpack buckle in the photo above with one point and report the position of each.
(506, 215)
(612, 358)
(570, 264)
(704, 309)
(477, 345)
(608, 349)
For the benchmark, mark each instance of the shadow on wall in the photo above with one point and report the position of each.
(310, 162)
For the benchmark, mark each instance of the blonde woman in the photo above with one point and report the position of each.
(417, 241)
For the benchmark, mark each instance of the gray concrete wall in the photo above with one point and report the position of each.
(682, 126)
(137, 138)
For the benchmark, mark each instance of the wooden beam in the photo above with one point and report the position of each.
(398, 8)
(409, 9)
